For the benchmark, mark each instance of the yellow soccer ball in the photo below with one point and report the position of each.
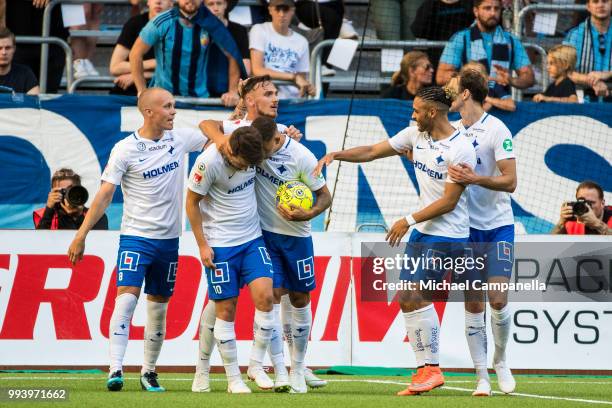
(296, 193)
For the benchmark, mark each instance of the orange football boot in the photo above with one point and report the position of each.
(415, 379)
(432, 378)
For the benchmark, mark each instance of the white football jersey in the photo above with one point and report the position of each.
(151, 177)
(229, 210)
(230, 125)
(431, 159)
(492, 141)
(292, 162)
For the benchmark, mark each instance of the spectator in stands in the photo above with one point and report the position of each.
(59, 213)
(25, 18)
(415, 72)
(280, 52)
(16, 77)
(498, 96)
(392, 18)
(119, 64)
(83, 48)
(331, 13)
(487, 42)
(593, 42)
(561, 60)
(2, 13)
(596, 218)
(217, 78)
(438, 20)
(181, 62)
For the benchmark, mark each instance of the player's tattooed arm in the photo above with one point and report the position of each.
(101, 201)
(213, 130)
(443, 205)
(360, 154)
(506, 181)
(192, 208)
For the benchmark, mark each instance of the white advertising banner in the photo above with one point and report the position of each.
(54, 314)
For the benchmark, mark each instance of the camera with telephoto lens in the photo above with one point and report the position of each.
(579, 207)
(76, 196)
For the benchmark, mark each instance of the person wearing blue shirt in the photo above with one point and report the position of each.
(182, 37)
(593, 42)
(486, 42)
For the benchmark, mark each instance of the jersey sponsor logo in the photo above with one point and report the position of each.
(161, 170)
(220, 274)
(171, 151)
(198, 174)
(128, 261)
(431, 173)
(241, 186)
(275, 180)
(507, 145)
(160, 147)
(305, 268)
(141, 147)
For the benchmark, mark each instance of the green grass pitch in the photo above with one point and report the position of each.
(88, 390)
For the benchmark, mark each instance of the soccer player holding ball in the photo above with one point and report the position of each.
(443, 217)
(289, 168)
(260, 99)
(491, 224)
(147, 164)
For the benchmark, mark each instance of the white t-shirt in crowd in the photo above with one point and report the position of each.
(281, 53)
(431, 159)
(151, 177)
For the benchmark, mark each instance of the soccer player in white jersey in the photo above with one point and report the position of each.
(442, 218)
(491, 224)
(259, 97)
(287, 233)
(147, 164)
(222, 210)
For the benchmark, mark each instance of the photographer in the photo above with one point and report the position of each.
(65, 207)
(587, 215)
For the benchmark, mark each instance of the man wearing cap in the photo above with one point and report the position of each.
(280, 52)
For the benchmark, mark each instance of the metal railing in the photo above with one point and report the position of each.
(315, 57)
(519, 15)
(46, 30)
(45, 41)
(517, 94)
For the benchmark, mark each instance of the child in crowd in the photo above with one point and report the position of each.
(561, 61)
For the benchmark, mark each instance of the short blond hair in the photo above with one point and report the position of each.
(475, 66)
(564, 57)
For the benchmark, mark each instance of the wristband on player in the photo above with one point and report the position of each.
(410, 220)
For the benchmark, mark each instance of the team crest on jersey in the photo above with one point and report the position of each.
(128, 260)
(305, 268)
(505, 251)
(141, 147)
(220, 274)
(204, 39)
